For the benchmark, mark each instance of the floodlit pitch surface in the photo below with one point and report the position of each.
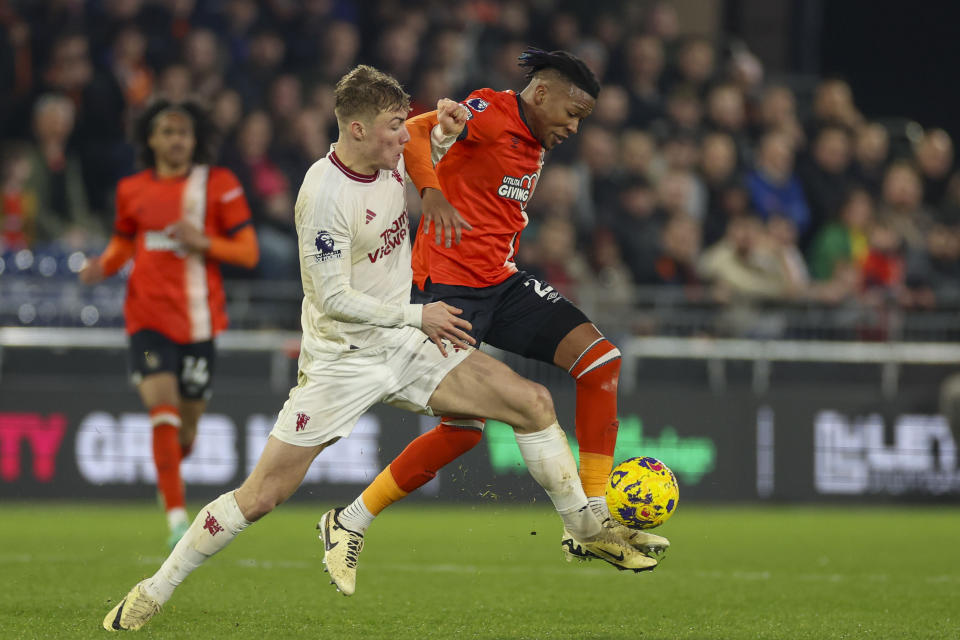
(480, 572)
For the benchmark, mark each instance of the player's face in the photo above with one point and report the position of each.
(561, 107)
(389, 135)
(172, 140)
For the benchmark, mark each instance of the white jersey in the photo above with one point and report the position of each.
(354, 259)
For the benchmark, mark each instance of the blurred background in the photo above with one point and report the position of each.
(763, 212)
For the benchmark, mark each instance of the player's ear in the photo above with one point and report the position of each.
(540, 94)
(357, 130)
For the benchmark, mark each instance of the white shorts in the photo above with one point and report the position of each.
(331, 396)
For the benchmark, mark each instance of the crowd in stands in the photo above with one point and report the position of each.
(695, 171)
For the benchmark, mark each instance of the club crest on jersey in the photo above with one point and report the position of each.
(325, 246)
(518, 189)
(475, 104)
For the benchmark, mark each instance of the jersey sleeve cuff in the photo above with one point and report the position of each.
(440, 143)
(412, 315)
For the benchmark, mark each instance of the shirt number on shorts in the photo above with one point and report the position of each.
(195, 372)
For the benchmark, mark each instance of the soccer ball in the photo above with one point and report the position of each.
(642, 493)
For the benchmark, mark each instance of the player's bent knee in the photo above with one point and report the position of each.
(537, 407)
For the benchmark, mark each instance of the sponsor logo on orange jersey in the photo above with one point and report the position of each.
(518, 189)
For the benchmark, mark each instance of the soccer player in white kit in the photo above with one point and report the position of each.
(363, 343)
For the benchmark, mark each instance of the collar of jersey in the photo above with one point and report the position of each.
(524, 118)
(350, 173)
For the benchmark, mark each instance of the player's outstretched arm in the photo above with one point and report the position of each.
(114, 256)
(429, 131)
(440, 322)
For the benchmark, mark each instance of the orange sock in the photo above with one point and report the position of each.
(596, 372)
(419, 462)
(382, 492)
(166, 454)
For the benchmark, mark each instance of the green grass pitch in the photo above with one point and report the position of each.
(480, 572)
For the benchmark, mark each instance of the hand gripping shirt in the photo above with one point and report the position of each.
(354, 259)
(488, 175)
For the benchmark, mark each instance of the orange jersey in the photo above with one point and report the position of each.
(171, 291)
(488, 175)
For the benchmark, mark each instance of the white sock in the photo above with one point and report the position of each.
(551, 464)
(598, 504)
(356, 517)
(176, 516)
(215, 526)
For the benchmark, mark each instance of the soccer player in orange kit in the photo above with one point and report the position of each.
(475, 189)
(178, 219)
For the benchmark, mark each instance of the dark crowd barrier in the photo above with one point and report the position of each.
(72, 427)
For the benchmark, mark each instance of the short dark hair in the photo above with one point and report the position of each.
(203, 151)
(568, 65)
(365, 91)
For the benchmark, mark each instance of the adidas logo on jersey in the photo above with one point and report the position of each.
(370, 216)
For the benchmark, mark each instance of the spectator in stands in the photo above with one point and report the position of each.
(679, 251)
(695, 66)
(934, 158)
(432, 84)
(340, 45)
(825, 173)
(679, 194)
(718, 170)
(684, 114)
(56, 178)
(226, 114)
(781, 236)
(18, 206)
(175, 84)
(933, 275)
(129, 69)
(643, 65)
(774, 188)
(726, 113)
(778, 112)
(555, 258)
(597, 174)
(681, 152)
(284, 103)
(612, 287)
(204, 58)
(833, 105)
(637, 227)
(638, 153)
(252, 77)
(882, 273)
(268, 192)
(742, 267)
(559, 190)
(843, 240)
(613, 109)
(901, 204)
(871, 150)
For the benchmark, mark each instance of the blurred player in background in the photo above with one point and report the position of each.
(178, 219)
(363, 343)
(475, 187)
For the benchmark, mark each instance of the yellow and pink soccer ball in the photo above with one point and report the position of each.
(642, 493)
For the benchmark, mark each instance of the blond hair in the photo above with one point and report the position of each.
(365, 92)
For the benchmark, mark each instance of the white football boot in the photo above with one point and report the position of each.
(341, 548)
(133, 612)
(609, 547)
